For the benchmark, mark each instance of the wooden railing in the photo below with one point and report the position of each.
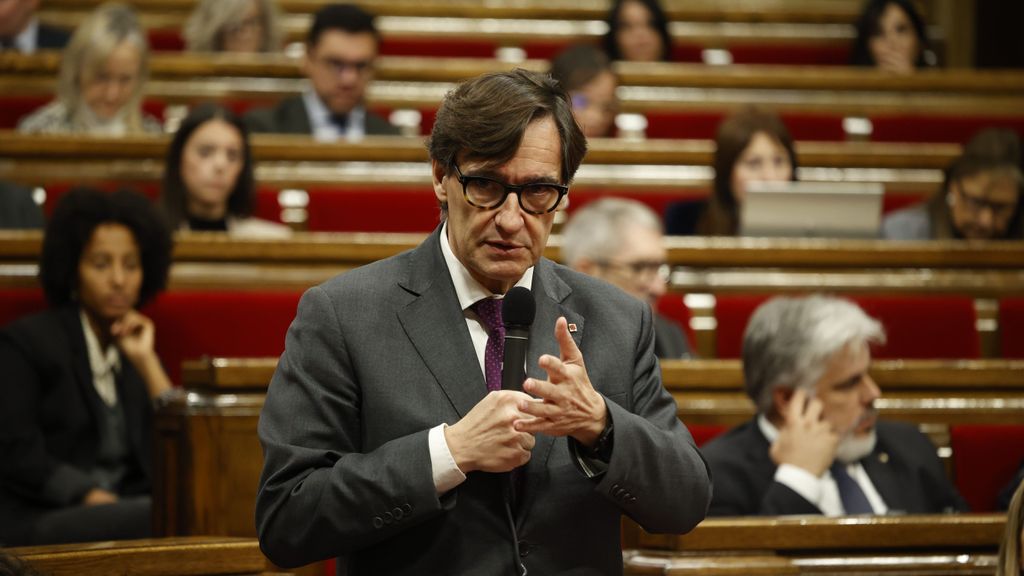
(182, 556)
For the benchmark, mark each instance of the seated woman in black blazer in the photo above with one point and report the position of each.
(79, 378)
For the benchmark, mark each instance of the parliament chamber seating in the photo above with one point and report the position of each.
(919, 326)
(1011, 327)
(987, 458)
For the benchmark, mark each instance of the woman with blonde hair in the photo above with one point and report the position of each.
(1011, 551)
(234, 26)
(101, 79)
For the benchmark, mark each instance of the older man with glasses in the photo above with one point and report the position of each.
(621, 241)
(340, 50)
(390, 436)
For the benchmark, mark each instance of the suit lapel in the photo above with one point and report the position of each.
(72, 323)
(550, 293)
(437, 328)
(885, 479)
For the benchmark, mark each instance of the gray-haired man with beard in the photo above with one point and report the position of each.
(815, 446)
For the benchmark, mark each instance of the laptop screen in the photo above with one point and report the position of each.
(812, 209)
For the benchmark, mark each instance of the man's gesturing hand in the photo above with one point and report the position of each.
(566, 403)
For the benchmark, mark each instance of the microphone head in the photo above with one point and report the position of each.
(518, 308)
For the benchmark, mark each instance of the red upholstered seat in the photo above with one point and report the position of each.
(13, 108)
(672, 306)
(704, 433)
(985, 458)
(916, 326)
(190, 325)
(930, 128)
(1011, 327)
(18, 302)
(674, 124)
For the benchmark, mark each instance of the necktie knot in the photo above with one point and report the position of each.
(489, 311)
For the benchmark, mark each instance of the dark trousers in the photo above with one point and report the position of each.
(125, 519)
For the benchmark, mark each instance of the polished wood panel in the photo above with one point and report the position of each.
(817, 11)
(183, 556)
(166, 66)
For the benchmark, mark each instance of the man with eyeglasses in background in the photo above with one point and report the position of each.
(390, 439)
(621, 241)
(979, 199)
(341, 47)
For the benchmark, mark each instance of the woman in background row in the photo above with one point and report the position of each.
(586, 74)
(891, 36)
(208, 177)
(979, 198)
(638, 32)
(79, 379)
(101, 79)
(234, 26)
(751, 145)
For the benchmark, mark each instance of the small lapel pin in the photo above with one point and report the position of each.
(883, 457)
(572, 328)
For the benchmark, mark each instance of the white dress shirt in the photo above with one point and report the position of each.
(821, 490)
(103, 364)
(325, 129)
(446, 473)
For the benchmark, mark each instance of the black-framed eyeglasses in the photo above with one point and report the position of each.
(488, 193)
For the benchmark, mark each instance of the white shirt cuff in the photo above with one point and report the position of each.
(446, 472)
(800, 481)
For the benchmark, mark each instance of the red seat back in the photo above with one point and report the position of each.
(190, 325)
(1011, 327)
(18, 302)
(985, 459)
(915, 326)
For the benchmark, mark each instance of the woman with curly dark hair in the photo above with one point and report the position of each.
(79, 378)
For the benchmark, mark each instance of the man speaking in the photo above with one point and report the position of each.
(388, 439)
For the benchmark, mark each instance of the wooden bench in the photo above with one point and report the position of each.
(815, 11)
(921, 544)
(180, 556)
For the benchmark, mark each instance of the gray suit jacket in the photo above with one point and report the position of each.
(290, 117)
(379, 355)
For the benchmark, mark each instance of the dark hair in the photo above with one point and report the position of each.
(344, 17)
(487, 116)
(868, 27)
(173, 196)
(990, 150)
(71, 227)
(733, 136)
(659, 21)
(578, 65)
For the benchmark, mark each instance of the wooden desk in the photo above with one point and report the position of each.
(196, 555)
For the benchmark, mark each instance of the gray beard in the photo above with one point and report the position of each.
(852, 448)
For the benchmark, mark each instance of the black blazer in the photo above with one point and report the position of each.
(903, 467)
(669, 340)
(290, 117)
(48, 419)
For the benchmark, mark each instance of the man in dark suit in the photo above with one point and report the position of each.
(20, 30)
(387, 438)
(620, 241)
(340, 51)
(815, 446)
(18, 208)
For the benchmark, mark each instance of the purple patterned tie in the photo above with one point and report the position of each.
(489, 311)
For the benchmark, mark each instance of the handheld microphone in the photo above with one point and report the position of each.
(517, 311)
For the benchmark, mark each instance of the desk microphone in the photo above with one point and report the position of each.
(517, 311)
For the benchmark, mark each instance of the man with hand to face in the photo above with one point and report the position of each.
(816, 445)
(389, 443)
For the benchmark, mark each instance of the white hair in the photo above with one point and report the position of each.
(598, 230)
(789, 341)
(204, 31)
